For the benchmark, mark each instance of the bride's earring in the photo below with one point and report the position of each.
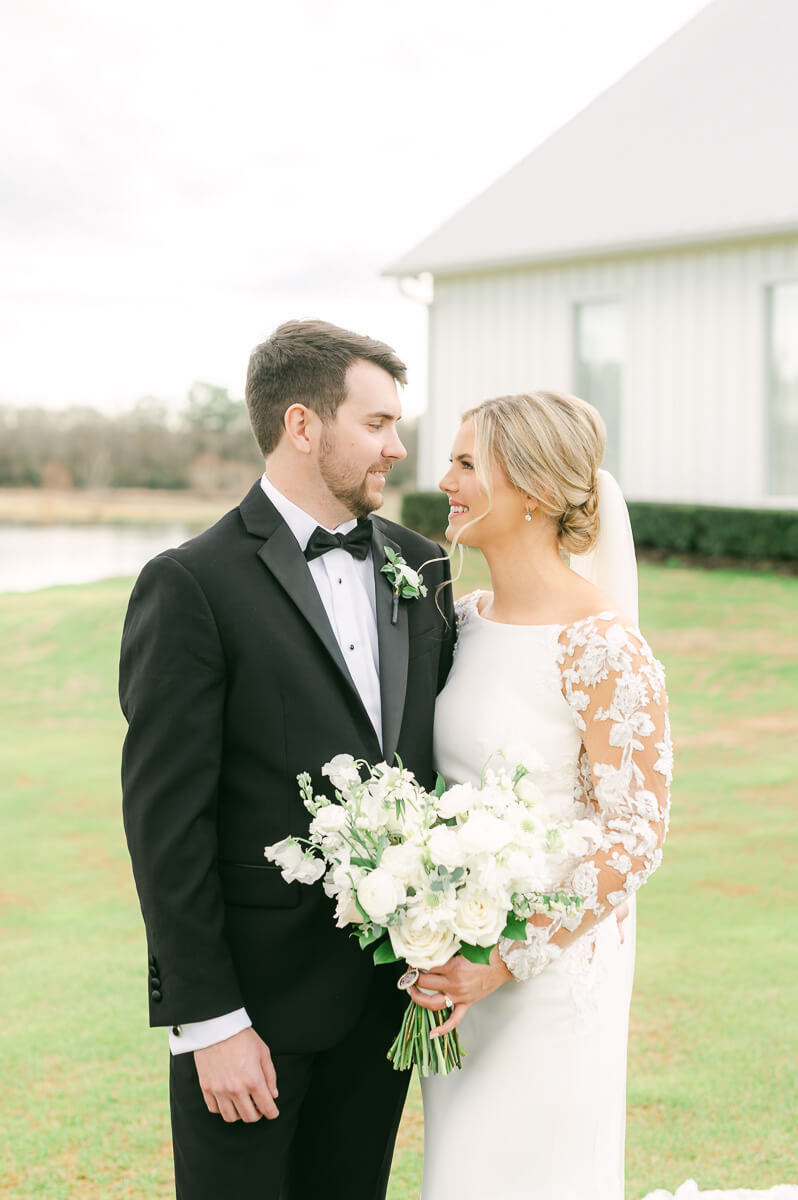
(527, 514)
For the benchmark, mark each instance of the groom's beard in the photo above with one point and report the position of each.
(359, 497)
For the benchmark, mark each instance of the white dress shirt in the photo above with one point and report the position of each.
(346, 587)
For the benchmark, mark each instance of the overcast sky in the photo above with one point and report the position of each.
(177, 178)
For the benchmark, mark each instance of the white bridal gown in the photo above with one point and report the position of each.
(538, 1110)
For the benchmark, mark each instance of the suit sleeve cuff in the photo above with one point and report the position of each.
(196, 1035)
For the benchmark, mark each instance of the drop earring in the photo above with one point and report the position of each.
(527, 513)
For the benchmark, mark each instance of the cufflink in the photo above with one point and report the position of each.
(177, 1030)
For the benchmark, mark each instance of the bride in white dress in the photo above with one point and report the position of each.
(549, 666)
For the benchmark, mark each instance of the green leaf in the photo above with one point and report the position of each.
(476, 954)
(384, 953)
(362, 862)
(440, 785)
(515, 928)
(368, 937)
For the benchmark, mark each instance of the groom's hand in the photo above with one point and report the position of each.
(238, 1079)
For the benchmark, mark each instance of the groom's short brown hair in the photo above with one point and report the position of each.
(305, 362)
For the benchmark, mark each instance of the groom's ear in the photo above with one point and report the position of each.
(302, 428)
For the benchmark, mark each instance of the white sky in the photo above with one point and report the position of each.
(177, 178)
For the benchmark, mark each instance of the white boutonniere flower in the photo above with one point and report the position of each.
(407, 584)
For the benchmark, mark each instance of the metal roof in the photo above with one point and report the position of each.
(696, 143)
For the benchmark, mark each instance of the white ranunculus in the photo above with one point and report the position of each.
(342, 771)
(420, 943)
(458, 800)
(480, 917)
(485, 834)
(403, 861)
(380, 894)
(444, 847)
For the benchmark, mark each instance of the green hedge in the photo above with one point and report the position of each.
(426, 512)
(702, 529)
(714, 532)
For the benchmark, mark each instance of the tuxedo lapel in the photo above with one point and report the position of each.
(393, 642)
(281, 554)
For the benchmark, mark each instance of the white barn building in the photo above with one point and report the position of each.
(645, 257)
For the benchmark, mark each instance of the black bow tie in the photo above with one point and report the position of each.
(357, 542)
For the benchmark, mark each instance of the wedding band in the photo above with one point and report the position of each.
(448, 1001)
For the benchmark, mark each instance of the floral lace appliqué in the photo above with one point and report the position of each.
(615, 688)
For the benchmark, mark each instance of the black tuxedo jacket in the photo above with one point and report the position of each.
(232, 682)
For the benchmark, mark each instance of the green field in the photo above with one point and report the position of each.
(712, 1056)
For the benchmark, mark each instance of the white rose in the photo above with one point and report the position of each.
(342, 771)
(457, 800)
(403, 861)
(420, 944)
(380, 894)
(444, 847)
(485, 834)
(405, 574)
(480, 918)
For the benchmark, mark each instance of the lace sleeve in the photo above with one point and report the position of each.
(464, 608)
(615, 689)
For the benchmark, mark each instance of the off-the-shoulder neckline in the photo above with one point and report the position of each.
(473, 607)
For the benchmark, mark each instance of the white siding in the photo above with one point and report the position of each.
(694, 404)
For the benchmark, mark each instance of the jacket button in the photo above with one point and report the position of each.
(155, 982)
(155, 995)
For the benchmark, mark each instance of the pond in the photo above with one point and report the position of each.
(39, 556)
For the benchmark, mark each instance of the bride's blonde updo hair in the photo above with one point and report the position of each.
(550, 446)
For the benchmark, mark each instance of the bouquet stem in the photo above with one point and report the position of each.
(413, 1046)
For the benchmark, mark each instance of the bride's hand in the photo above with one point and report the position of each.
(458, 984)
(621, 913)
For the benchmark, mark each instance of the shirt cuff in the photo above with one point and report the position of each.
(196, 1035)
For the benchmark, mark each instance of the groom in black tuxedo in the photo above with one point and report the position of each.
(260, 649)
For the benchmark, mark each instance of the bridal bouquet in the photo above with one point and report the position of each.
(425, 875)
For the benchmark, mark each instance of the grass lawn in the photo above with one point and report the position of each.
(712, 1056)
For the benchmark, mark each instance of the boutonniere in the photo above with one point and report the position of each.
(407, 584)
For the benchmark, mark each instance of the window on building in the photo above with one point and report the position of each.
(782, 465)
(598, 367)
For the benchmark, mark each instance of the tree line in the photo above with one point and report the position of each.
(208, 445)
